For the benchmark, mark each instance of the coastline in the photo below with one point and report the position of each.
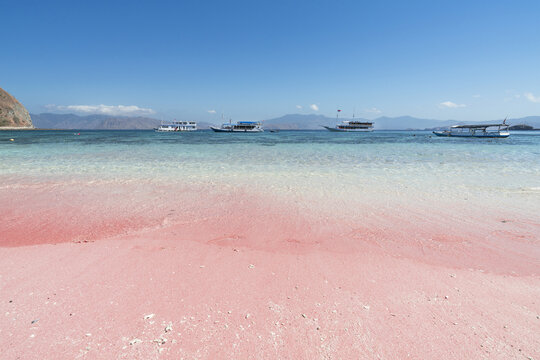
(19, 128)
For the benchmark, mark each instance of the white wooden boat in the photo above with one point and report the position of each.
(240, 126)
(176, 126)
(351, 125)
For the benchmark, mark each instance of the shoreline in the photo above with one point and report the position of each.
(10, 128)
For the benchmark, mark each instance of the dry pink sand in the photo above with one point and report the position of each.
(137, 273)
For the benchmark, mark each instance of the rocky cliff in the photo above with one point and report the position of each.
(12, 112)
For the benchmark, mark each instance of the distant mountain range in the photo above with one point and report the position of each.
(72, 121)
(97, 122)
(286, 122)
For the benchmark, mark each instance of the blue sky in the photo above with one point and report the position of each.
(464, 60)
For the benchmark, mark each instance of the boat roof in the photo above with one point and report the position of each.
(248, 122)
(477, 126)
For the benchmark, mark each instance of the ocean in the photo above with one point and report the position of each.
(383, 164)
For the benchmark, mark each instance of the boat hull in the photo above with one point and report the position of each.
(448, 134)
(236, 131)
(346, 130)
(173, 131)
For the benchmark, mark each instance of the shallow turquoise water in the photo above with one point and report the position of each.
(312, 161)
(331, 173)
(318, 149)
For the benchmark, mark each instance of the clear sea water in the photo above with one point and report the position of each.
(403, 165)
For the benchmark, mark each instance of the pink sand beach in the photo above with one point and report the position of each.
(269, 180)
(138, 271)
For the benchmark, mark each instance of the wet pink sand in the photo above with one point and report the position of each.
(134, 271)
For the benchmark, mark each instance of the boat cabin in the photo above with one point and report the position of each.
(352, 125)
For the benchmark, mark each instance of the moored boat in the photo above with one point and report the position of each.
(177, 126)
(477, 131)
(240, 126)
(351, 125)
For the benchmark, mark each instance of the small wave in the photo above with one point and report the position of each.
(534, 189)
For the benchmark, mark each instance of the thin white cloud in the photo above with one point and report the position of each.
(532, 98)
(476, 96)
(373, 110)
(104, 109)
(211, 111)
(513, 97)
(314, 107)
(449, 104)
(299, 107)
